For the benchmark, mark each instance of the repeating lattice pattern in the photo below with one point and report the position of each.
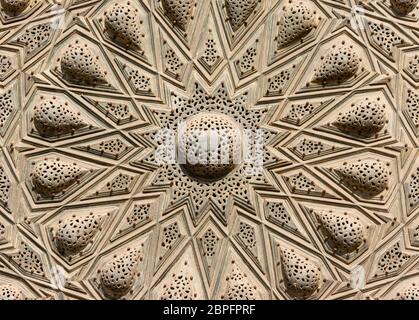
(93, 205)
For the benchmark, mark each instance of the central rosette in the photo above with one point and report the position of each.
(209, 146)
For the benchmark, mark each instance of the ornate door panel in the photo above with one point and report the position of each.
(223, 149)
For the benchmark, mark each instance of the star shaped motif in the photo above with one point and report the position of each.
(237, 184)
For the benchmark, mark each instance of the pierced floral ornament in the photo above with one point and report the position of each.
(298, 19)
(369, 177)
(393, 259)
(5, 66)
(301, 276)
(52, 177)
(403, 7)
(15, 7)
(5, 186)
(340, 64)
(10, 292)
(54, 118)
(180, 287)
(210, 146)
(238, 11)
(75, 233)
(179, 12)
(123, 24)
(80, 66)
(364, 119)
(118, 276)
(239, 286)
(345, 232)
(410, 293)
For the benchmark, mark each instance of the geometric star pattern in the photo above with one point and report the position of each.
(87, 211)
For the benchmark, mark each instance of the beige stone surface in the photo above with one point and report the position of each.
(88, 209)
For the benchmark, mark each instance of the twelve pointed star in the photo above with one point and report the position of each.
(218, 192)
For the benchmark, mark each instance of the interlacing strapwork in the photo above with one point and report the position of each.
(217, 149)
